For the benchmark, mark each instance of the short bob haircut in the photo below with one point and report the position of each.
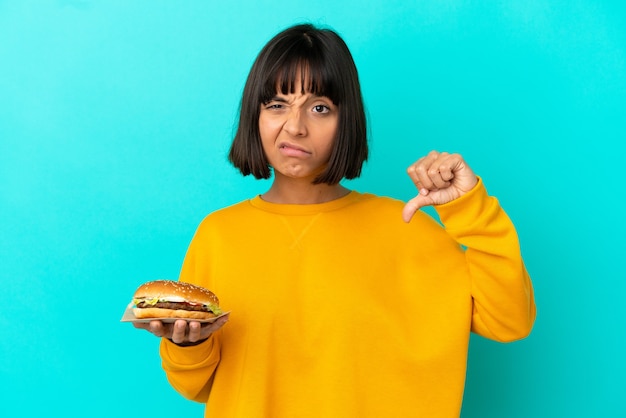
(322, 61)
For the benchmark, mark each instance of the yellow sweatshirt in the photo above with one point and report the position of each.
(341, 309)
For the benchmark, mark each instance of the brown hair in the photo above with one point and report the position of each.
(325, 59)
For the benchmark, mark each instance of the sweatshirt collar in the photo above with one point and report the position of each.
(309, 209)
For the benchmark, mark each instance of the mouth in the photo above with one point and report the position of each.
(292, 150)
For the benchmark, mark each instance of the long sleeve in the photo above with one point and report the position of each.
(344, 306)
(503, 301)
(190, 369)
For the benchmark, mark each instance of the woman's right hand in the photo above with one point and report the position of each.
(182, 331)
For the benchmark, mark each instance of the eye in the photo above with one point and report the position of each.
(321, 108)
(273, 105)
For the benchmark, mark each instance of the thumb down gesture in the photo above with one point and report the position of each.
(440, 178)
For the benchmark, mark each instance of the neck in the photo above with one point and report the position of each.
(302, 192)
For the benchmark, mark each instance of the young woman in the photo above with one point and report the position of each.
(344, 304)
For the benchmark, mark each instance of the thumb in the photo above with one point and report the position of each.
(413, 206)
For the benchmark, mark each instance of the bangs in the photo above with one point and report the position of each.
(301, 71)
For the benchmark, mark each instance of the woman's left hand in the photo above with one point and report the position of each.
(440, 178)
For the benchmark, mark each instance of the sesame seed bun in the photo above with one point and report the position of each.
(174, 299)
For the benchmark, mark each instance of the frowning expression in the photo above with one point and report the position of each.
(297, 133)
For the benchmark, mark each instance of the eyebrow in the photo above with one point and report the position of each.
(281, 99)
(277, 99)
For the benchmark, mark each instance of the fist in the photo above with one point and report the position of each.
(440, 178)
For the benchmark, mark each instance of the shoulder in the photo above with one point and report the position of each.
(226, 216)
(390, 209)
(377, 200)
(381, 217)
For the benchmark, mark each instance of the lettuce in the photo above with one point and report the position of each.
(152, 301)
(215, 309)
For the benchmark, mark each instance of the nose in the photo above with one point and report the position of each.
(295, 124)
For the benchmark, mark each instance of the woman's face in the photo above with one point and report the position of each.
(297, 133)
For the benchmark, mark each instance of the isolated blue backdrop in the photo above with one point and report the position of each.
(115, 120)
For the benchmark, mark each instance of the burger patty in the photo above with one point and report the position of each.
(175, 305)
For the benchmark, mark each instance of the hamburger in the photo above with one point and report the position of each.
(173, 299)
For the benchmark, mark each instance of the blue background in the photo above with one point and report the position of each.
(115, 120)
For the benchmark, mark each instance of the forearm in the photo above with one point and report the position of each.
(190, 369)
(504, 307)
